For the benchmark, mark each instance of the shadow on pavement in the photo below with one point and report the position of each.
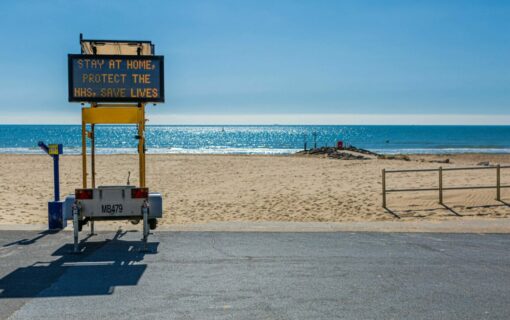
(26, 242)
(100, 267)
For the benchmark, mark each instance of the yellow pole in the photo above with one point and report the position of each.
(84, 152)
(93, 155)
(141, 144)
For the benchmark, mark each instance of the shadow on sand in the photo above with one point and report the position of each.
(101, 266)
(421, 213)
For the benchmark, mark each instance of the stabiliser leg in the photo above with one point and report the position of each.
(76, 227)
(145, 213)
(92, 228)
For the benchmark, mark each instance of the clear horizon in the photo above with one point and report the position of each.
(349, 62)
(290, 119)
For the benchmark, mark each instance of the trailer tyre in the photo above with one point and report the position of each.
(153, 224)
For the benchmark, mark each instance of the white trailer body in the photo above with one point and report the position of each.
(113, 203)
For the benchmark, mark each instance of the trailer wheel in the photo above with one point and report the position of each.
(153, 223)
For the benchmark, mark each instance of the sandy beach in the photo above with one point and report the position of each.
(205, 188)
(214, 188)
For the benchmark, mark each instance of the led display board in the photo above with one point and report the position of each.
(116, 78)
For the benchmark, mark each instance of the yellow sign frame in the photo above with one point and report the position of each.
(111, 114)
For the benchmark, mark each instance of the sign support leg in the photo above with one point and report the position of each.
(84, 153)
(92, 165)
(141, 144)
(93, 154)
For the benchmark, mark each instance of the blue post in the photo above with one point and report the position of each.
(56, 182)
(55, 215)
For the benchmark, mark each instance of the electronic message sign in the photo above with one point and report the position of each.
(116, 78)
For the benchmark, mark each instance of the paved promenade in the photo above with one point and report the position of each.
(255, 275)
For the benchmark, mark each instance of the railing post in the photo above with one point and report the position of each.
(384, 188)
(498, 182)
(440, 185)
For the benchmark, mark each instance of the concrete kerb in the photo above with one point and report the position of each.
(501, 225)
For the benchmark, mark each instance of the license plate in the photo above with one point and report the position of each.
(111, 208)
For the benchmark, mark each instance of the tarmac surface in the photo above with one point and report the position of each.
(255, 275)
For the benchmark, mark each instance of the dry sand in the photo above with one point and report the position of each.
(205, 188)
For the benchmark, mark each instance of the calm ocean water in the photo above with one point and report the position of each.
(262, 139)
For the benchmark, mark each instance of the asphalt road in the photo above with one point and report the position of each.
(225, 275)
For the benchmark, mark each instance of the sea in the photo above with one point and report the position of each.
(261, 139)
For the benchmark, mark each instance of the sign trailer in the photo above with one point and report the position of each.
(116, 78)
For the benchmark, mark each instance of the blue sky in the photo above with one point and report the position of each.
(271, 61)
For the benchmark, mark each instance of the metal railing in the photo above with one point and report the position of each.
(440, 187)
